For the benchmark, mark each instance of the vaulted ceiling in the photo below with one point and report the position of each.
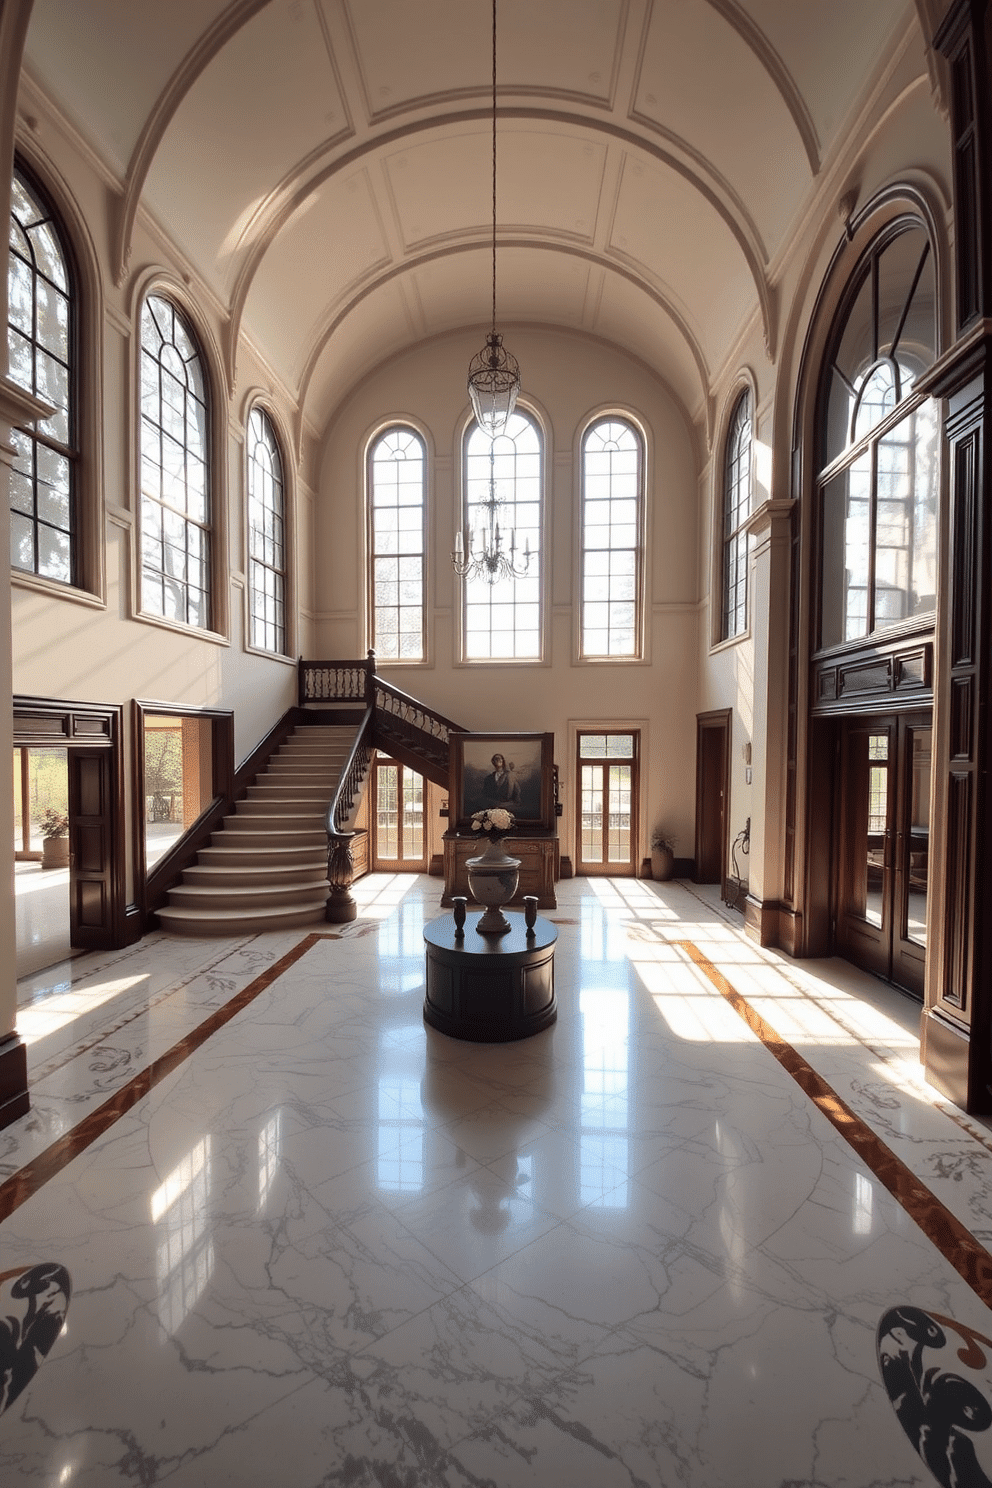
(325, 164)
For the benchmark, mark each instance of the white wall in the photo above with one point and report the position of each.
(567, 378)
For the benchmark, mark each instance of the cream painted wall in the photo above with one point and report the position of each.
(567, 378)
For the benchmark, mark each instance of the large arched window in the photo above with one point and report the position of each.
(612, 515)
(736, 510)
(41, 354)
(175, 469)
(397, 473)
(266, 537)
(879, 446)
(502, 621)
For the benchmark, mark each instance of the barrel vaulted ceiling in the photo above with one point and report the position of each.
(325, 164)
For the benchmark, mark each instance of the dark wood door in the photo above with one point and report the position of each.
(884, 846)
(92, 900)
(712, 787)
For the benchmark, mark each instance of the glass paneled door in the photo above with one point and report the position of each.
(884, 828)
(607, 771)
(398, 812)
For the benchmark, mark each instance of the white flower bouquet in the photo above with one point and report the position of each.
(494, 822)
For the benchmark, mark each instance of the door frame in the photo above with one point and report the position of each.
(99, 728)
(720, 722)
(396, 865)
(612, 870)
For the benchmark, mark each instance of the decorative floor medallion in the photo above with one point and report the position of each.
(937, 1375)
(33, 1307)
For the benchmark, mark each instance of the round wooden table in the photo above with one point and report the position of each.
(490, 988)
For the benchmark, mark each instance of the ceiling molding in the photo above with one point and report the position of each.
(212, 41)
(755, 39)
(345, 307)
(291, 195)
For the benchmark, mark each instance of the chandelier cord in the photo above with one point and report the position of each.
(494, 167)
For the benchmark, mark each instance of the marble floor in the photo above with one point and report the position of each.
(710, 1229)
(42, 916)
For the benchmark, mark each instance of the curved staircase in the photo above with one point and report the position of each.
(266, 866)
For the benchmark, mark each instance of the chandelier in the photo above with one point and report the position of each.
(493, 385)
(493, 374)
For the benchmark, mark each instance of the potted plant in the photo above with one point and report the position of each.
(662, 856)
(54, 826)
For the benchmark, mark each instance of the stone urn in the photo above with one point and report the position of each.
(492, 878)
(662, 862)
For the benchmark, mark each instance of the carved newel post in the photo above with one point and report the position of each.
(341, 906)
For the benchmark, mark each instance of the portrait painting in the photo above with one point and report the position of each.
(515, 771)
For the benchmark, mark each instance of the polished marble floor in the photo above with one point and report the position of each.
(697, 1233)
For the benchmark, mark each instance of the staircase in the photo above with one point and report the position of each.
(266, 867)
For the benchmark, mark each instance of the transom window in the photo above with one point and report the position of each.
(397, 472)
(612, 500)
(266, 536)
(175, 476)
(736, 510)
(879, 485)
(502, 621)
(40, 348)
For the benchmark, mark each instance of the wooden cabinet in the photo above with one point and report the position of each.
(538, 867)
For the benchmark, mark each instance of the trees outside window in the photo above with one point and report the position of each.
(175, 469)
(41, 355)
(266, 537)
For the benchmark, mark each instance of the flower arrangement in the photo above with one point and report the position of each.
(495, 822)
(53, 823)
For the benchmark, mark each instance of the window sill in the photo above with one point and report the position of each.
(730, 642)
(54, 590)
(269, 655)
(214, 637)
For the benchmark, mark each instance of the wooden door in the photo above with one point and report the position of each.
(712, 795)
(607, 769)
(400, 838)
(93, 910)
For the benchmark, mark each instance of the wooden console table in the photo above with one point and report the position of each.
(538, 867)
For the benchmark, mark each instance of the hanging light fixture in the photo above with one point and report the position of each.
(493, 385)
(493, 374)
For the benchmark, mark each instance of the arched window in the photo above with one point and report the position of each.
(175, 469)
(502, 620)
(41, 346)
(736, 510)
(396, 482)
(266, 537)
(612, 515)
(879, 445)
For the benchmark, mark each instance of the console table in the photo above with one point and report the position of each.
(538, 867)
(488, 988)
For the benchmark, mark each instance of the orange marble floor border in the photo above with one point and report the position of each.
(39, 1170)
(955, 1242)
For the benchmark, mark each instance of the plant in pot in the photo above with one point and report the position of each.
(662, 856)
(54, 825)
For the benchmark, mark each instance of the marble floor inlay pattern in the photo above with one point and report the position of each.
(313, 1242)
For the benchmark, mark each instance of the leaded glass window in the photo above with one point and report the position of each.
(175, 469)
(612, 485)
(266, 537)
(502, 621)
(880, 446)
(736, 510)
(397, 476)
(40, 348)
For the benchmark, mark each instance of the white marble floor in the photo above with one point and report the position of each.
(330, 1246)
(42, 916)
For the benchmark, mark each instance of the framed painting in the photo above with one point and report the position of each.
(515, 771)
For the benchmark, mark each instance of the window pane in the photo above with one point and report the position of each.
(844, 570)
(175, 499)
(39, 343)
(397, 470)
(502, 620)
(266, 521)
(736, 510)
(906, 519)
(611, 519)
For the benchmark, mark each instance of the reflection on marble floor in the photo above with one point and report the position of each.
(42, 916)
(334, 1247)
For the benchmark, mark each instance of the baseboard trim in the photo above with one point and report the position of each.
(14, 1099)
